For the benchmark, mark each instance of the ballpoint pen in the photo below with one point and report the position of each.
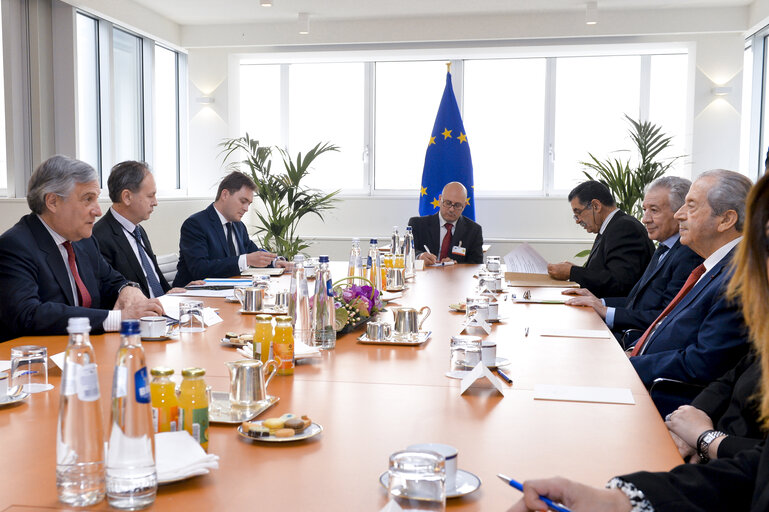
(504, 377)
(519, 486)
(526, 334)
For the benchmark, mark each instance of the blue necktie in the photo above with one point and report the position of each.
(662, 249)
(152, 279)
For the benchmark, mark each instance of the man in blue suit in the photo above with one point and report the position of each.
(50, 266)
(700, 334)
(671, 264)
(215, 242)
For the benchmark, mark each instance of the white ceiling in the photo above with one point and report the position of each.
(207, 12)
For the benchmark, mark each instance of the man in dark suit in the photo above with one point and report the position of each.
(621, 250)
(50, 267)
(215, 242)
(670, 265)
(447, 234)
(700, 334)
(123, 242)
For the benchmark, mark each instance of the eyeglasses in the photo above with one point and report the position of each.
(449, 205)
(577, 213)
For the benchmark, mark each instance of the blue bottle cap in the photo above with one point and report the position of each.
(373, 241)
(408, 228)
(323, 259)
(129, 327)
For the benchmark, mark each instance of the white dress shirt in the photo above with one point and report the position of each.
(242, 265)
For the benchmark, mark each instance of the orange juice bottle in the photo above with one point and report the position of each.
(283, 345)
(263, 337)
(193, 403)
(165, 405)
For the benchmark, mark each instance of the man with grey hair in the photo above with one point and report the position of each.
(700, 334)
(50, 267)
(670, 265)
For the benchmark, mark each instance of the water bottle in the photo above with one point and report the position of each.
(408, 251)
(79, 434)
(131, 477)
(324, 313)
(299, 303)
(373, 265)
(395, 241)
(355, 267)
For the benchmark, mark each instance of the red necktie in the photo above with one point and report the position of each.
(82, 292)
(688, 285)
(446, 242)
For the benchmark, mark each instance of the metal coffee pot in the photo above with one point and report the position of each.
(248, 385)
(406, 326)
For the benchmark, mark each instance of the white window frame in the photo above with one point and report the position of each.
(758, 91)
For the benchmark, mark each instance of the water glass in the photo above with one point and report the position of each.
(477, 306)
(191, 316)
(417, 480)
(465, 352)
(29, 368)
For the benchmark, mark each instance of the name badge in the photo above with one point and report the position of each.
(459, 250)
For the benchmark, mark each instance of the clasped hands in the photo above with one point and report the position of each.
(686, 424)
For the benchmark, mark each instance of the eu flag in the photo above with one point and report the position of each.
(448, 157)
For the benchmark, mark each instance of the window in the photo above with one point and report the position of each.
(166, 118)
(530, 121)
(747, 110)
(3, 160)
(128, 97)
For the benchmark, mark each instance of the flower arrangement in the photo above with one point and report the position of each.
(355, 304)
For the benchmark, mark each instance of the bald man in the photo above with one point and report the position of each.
(447, 234)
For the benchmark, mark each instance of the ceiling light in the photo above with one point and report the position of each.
(265, 3)
(304, 23)
(591, 13)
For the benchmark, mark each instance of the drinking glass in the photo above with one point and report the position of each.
(191, 316)
(465, 352)
(417, 480)
(29, 368)
(477, 306)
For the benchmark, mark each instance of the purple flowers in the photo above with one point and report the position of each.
(362, 299)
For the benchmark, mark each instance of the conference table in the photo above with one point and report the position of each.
(375, 400)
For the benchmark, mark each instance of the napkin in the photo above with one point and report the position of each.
(301, 351)
(5, 365)
(179, 456)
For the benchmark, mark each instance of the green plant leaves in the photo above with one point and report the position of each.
(284, 198)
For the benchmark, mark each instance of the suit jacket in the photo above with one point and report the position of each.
(37, 295)
(203, 250)
(701, 338)
(654, 291)
(118, 252)
(427, 231)
(738, 483)
(617, 259)
(732, 404)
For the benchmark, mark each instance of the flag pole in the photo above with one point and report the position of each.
(448, 67)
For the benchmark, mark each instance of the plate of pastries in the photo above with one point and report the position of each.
(286, 428)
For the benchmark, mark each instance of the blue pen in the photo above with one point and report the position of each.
(504, 377)
(519, 486)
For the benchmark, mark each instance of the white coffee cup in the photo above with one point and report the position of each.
(493, 311)
(152, 326)
(489, 352)
(449, 453)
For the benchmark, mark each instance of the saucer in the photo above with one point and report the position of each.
(466, 483)
(421, 338)
(14, 398)
(313, 430)
(501, 361)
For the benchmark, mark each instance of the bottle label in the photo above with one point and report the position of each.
(88, 383)
(368, 262)
(141, 386)
(119, 384)
(329, 289)
(285, 351)
(200, 425)
(155, 419)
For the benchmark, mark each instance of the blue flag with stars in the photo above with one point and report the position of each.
(447, 158)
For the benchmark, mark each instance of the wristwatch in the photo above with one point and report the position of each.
(132, 284)
(703, 443)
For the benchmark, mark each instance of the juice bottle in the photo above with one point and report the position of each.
(193, 405)
(283, 345)
(263, 337)
(165, 404)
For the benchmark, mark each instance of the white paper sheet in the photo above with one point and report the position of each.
(525, 258)
(576, 333)
(5, 366)
(204, 293)
(583, 394)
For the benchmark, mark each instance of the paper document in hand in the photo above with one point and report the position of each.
(525, 259)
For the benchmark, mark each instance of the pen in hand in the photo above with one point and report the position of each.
(427, 249)
(519, 486)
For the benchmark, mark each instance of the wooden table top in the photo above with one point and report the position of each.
(374, 400)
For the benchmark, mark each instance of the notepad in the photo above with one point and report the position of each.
(576, 333)
(583, 394)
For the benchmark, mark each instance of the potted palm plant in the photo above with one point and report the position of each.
(284, 197)
(626, 183)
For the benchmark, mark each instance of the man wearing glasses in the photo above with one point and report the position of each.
(447, 234)
(621, 250)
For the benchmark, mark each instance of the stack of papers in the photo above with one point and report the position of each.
(178, 456)
(526, 267)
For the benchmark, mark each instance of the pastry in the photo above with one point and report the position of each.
(230, 335)
(274, 423)
(285, 432)
(295, 423)
(246, 337)
(254, 429)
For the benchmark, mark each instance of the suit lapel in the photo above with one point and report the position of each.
(594, 249)
(125, 247)
(216, 226)
(653, 271)
(434, 234)
(53, 257)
